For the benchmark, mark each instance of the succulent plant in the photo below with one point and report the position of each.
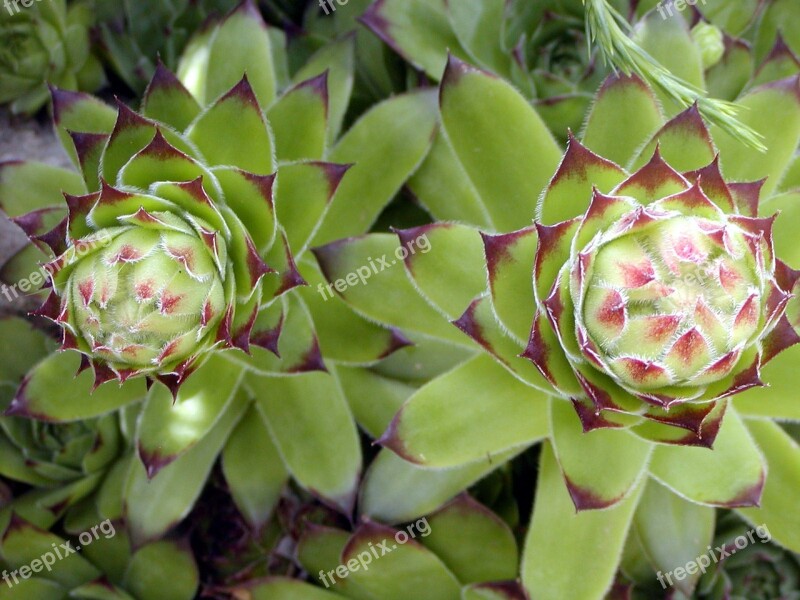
(183, 251)
(135, 35)
(605, 251)
(96, 562)
(540, 47)
(46, 43)
(461, 551)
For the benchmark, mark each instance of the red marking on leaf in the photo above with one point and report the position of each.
(536, 351)
(749, 313)
(724, 365)
(102, 374)
(747, 196)
(729, 279)
(637, 275)
(612, 311)
(713, 185)
(56, 238)
(126, 254)
(687, 250)
(241, 337)
(243, 92)
(586, 499)
(497, 248)
(265, 184)
(592, 419)
(689, 416)
(589, 348)
(642, 371)
(258, 268)
(689, 347)
(779, 339)
(652, 176)
(577, 161)
(86, 289)
(269, 338)
(224, 331)
(145, 290)
(169, 302)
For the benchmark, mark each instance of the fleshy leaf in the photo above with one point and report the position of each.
(781, 135)
(730, 475)
(168, 101)
(482, 135)
(475, 544)
(396, 491)
(623, 104)
(153, 506)
(170, 427)
(435, 428)
(386, 145)
(777, 507)
(323, 455)
(600, 467)
(672, 531)
(556, 544)
(299, 120)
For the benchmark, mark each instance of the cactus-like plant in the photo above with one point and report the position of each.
(183, 251)
(611, 313)
(46, 43)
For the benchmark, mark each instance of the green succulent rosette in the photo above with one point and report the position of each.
(461, 551)
(608, 319)
(182, 259)
(92, 562)
(133, 36)
(46, 43)
(539, 47)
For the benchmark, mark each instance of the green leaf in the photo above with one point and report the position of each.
(601, 467)
(168, 101)
(388, 296)
(374, 399)
(418, 30)
(479, 25)
(475, 544)
(559, 542)
(672, 531)
(570, 192)
(441, 185)
(778, 509)
(241, 45)
(386, 145)
(396, 491)
(401, 571)
(29, 186)
(23, 543)
(778, 401)
(684, 142)
(622, 104)
(100, 590)
(446, 263)
(299, 120)
(670, 43)
(153, 506)
(730, 475)
(322, 454)
(51, 392)
(304, 193)
(279, 588)
(437, 428)
(781, 135)
(507, 590)
(170, 427)
(41, 589)
(255, 491)
(235, 116)
(506, 149)
(74, 111)
(729, 76)
(338, 59)
(164, 570)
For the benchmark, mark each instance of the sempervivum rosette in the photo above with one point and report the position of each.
(632, 318)
(181, 259)
(658, 303)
